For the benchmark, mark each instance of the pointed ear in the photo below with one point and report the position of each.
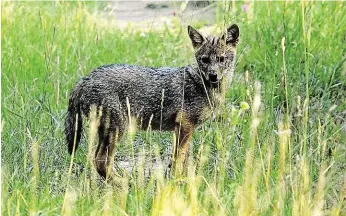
(196, 38)
(232, 35)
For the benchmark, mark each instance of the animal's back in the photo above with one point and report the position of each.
(154, 94)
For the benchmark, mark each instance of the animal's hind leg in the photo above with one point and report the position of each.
(101, 152)
(109, 137)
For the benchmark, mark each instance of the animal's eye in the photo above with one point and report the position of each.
(220, 58)
(205, 59)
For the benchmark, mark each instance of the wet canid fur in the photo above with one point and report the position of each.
(167, 99)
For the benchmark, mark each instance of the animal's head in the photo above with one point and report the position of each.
(215, 55)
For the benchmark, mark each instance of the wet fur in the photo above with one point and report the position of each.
(168, 99)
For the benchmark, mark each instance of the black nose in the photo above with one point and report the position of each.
(213, 77)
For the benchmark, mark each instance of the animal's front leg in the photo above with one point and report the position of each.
(183, 133)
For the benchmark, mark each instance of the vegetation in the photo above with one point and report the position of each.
(278, 147)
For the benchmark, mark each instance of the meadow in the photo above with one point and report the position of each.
(277, 148)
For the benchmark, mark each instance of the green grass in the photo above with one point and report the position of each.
(287, 158)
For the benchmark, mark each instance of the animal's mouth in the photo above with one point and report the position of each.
(215, 82)
(214, 79)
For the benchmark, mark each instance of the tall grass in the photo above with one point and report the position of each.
(277, 148)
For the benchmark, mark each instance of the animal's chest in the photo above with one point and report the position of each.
(209, 107)
(206, 113)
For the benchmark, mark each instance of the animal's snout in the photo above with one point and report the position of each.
(212, 77)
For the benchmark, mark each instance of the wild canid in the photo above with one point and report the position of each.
(164, 98)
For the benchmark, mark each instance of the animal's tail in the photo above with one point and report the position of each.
(73, 122)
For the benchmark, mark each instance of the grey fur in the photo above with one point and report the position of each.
(156, 95)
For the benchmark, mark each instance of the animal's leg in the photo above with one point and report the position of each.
(109, 137)
(114, 137)
(102, 151)
(183, 132)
